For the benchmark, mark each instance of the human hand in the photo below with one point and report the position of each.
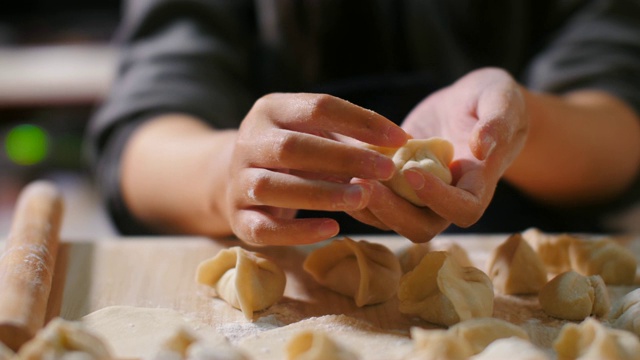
(483, 114)
(293, 151)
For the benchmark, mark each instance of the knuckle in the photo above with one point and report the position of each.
(284, 147)
(257, 187)
(257, 231)
(320, 105)
(265, 101)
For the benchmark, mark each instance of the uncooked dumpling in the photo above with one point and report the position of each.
(63, 339)
(464, 339)
(176, 347)
(614, 263)
(432, 155)
(442, 292)
(437, 344)
(316, 345)
(573, 296)
(412, 255)
(515, 268)
(552, 249)
(368, 272)
(185, 344)
(592, 340)
(355, 334)
(563, 252)
(247, 280)
(6, 353)
(480, 332)
(625, 313)
(512, 348)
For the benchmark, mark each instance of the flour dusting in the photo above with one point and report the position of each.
(235, 331)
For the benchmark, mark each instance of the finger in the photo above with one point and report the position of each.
(259, 228)
(499, 113)
(265, 187)
(303, 152)
(462, 204)
(416, 224)
(321, 112)
(365, 216)
(282, 213)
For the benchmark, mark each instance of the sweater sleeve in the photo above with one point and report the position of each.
(176, 57)
(596, 47)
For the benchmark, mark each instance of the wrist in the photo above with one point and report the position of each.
(168, 176)
(582, 148)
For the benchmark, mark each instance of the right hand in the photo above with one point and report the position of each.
(484, 116)
(296, 151)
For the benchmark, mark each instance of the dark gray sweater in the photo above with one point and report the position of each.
(214, 58)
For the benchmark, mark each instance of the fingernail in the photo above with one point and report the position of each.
(384, 168)
(328, 229)
(354, 196)
(414, 178)
(396, 135)
(488, 144)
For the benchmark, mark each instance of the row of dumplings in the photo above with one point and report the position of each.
(580, 270)
(367, 272)
(70, 340)
(477, 339)
(442, 287)
(492, 338)
(60, 339)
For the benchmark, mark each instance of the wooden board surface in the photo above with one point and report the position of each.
(159, 273)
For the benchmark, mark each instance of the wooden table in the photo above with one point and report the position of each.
(159, 272)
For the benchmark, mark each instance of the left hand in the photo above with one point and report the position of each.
(483, 114)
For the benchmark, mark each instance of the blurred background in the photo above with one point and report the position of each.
(56, 63)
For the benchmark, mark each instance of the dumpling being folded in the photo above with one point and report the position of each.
(366, 271)
(432, 155)
(247, 280)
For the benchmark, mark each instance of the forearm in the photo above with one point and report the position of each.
(582, 148)
(173, 168)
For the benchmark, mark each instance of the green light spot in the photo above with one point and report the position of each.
(26, 144)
